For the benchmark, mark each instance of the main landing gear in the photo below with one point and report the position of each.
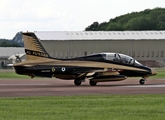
(78, 82)
(92, 83)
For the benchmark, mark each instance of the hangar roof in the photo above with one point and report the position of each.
(99, 35)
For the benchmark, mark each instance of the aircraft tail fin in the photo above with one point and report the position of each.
(33, 48)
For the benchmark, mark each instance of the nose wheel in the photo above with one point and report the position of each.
(142, 81)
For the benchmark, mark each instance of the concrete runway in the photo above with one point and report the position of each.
(51, 87)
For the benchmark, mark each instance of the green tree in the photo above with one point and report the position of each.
(92, 27)
(145, 20)
(140, 23)
(5, 44)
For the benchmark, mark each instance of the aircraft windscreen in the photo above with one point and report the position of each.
(137, 63)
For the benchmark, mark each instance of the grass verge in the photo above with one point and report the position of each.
(11, 74)
(160, 73)
(100, 107)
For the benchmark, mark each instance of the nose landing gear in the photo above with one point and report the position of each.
(143, 80)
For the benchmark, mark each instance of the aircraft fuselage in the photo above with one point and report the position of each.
(72, 72)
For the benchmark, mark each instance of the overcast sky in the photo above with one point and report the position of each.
(64, 15)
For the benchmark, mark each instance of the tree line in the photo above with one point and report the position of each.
(7, 43)
(149, 19)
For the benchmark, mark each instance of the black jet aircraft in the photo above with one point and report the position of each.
(102, 67)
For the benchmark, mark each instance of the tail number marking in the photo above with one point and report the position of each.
(35, 53)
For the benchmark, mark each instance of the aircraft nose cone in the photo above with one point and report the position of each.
(153, 72)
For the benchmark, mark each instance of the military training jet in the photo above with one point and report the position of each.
(102, 67)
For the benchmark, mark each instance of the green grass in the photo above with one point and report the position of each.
(101, 107)
(11, 74)
(160, 73)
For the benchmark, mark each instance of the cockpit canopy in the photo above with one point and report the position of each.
(120, 58)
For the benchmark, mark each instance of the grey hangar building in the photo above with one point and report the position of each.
(148, 47)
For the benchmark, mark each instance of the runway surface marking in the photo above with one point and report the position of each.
(163, 85)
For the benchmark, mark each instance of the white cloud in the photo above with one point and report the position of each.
(63, 15)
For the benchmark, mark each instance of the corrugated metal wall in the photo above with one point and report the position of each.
(139, 49)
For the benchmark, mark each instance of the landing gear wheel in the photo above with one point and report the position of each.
(77, 82)
(92, 83)
(142, 81)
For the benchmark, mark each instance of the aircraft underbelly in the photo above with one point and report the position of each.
(65, 77)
